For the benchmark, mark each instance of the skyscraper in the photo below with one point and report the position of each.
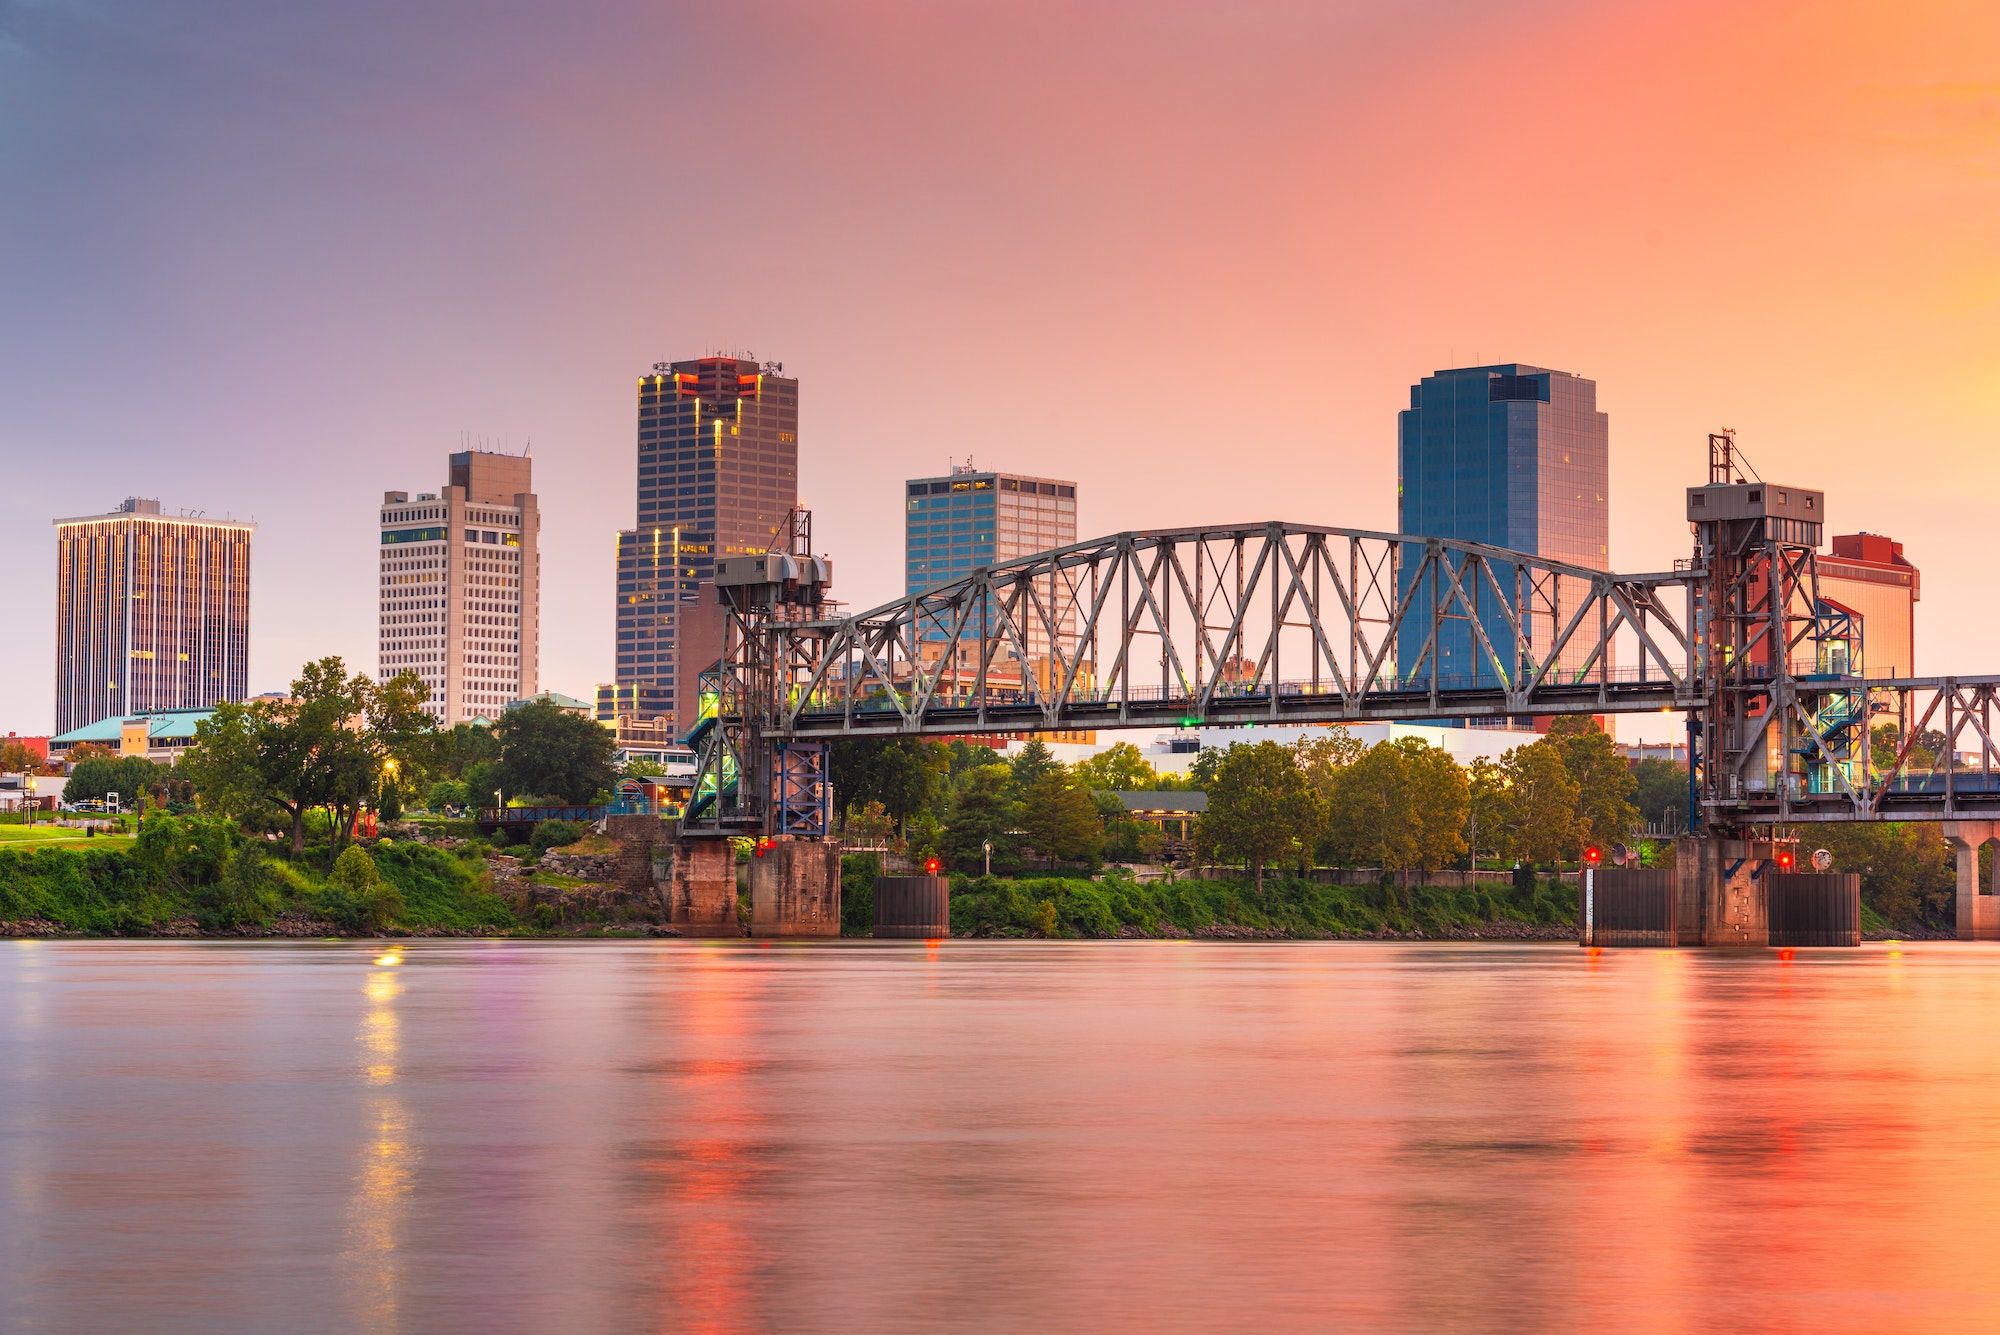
(461, 586)
(152, 612)
(1514, 456)
(718, 474)
(970, 518)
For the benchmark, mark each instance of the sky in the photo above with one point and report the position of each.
(270, 261)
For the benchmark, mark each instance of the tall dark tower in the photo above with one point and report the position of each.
(718, 473)
(1514, 456)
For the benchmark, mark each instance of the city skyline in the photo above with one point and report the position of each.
(181, 277)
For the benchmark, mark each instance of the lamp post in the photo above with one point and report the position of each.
(988, 846)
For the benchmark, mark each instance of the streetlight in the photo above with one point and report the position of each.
(988, 846)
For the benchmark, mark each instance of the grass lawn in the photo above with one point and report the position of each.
(56, 834)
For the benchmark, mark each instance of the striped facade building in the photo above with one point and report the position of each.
(152, 613)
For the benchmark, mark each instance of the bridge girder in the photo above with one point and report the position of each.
(1276, 623)
(1242, 623)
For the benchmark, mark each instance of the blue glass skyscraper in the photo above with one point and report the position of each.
(967, 519)
(1513, 456)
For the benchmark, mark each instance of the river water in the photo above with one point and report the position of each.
(523, 1136)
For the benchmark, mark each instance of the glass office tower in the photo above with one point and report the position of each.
(718, 473)
(970, 518)
(1513, 456)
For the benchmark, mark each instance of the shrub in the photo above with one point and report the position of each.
(556, 834)
(441, 889)
(248, 891)
(355, 898)
(181, 854)
(857, 893)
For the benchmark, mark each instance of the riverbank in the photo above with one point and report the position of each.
(200, 886)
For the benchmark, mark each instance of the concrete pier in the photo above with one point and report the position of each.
(1728, 893)
(795, 889)
(1719, 887)
(702, 901)
(1978, 915)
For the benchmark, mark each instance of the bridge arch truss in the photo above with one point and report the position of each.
(1253, 623)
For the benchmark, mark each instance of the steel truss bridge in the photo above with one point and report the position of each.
(1278, 623)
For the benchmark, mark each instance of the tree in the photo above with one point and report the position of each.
(1261, 807)
(1662, 795)
(905, 775)
(356, 897)
(546, 749)
(1486, 808)
(1541, 814)
(447, 795)
(980, 812)
(323, 746)
(1323, 753)
(909, 774)
(1207, 761)
(1404, 804)
(88, 751)
(1059, 820)
(1034, 763)
(223, 764)
(1908, 872)
(246, 892)
(1121, 769)
(1604, 782)
(96, 777)
(454, 751)
(968, 758)
(16, 758)
(1887, 738)
(483, 783)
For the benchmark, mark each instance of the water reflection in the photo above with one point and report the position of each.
(373, 1260)
(736, 1136)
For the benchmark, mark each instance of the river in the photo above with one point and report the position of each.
(596, 1136)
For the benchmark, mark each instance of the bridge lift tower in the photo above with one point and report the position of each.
(749, 781)
(1784, 709)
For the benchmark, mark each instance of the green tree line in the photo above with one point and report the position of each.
(1324, 801)
(340, 741)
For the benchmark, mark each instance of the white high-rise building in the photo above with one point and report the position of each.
(461, 587)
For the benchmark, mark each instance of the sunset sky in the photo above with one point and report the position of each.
(270, 260)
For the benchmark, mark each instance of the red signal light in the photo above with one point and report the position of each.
(1593, 855)
(931, 866)
(1785, 859)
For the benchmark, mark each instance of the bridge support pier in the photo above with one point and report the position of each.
(703, 899)
(1978, 915)
(1728, 893)
(795, 889)
(1720, 891)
